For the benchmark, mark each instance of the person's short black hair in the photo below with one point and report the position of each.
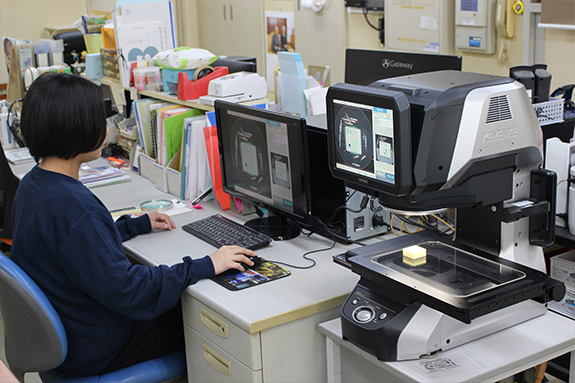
(63, 115)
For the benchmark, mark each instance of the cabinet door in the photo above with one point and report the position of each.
(321, 37)
(245, 30)
(213, 16)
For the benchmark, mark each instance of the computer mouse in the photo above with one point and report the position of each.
(256, 260)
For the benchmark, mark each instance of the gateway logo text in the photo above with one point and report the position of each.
(387, 63)
(498, 135)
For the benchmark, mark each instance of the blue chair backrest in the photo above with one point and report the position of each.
(35, 338)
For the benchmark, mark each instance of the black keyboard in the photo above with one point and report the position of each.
(220, 231)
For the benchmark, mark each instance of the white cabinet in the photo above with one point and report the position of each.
(218, 350)
(232, 27)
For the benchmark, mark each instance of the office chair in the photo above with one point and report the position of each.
(36, 341)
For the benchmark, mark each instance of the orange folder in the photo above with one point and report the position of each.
(211, 135)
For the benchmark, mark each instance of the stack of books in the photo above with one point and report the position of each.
(101, 175)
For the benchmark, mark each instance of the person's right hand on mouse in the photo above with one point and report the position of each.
(229, 257)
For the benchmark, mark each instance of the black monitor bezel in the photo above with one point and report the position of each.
(364, 66)
(300, 178)
(396, 101)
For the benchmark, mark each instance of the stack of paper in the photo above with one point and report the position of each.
(18, 156)
(195, 169)
(142, 30)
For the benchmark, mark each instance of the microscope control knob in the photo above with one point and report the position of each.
(363, 314)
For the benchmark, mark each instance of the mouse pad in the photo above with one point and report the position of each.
(237, 280)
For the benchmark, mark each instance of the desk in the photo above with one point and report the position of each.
(264, 333)
(488, 359)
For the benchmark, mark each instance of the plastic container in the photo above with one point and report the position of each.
(140, 78)
(153, 79)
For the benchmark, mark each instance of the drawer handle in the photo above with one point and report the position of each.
(214, 324)
(217, 361)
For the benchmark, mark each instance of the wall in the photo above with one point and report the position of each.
(560, 56)
(559, 50)
(559, 44)
(26, 19)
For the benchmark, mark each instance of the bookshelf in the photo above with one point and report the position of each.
(165, 96)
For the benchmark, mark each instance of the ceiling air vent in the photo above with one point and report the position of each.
(498, 109)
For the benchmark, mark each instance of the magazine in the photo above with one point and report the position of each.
(89, 174)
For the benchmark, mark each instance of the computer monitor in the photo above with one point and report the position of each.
(369, 136)
(237, 64)
(363, 67)
(264, 161)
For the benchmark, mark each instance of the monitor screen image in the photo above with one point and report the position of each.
(264, 161)
(369, 138)
(363, 67)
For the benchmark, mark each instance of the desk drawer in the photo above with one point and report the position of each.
(207, 362)
(240, 344)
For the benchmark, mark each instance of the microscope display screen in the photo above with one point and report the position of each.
(369, 138)
(364, 140)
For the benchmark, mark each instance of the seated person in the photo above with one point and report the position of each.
(115, 314)
(276, 44)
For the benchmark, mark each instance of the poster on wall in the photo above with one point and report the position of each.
(280, 37)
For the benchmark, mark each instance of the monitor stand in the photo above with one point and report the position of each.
(278, 227)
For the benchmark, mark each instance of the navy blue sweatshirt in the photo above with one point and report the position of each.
(66, 240)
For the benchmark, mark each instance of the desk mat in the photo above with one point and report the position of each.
(235, 280)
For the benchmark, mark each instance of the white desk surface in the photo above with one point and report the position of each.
(304, 292)
(488, 359)
(116, 196)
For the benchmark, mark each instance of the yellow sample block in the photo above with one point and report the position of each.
(414, 255)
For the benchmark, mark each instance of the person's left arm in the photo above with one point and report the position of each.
(129, 227)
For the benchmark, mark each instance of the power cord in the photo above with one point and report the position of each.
(380, 28)
(362, 206)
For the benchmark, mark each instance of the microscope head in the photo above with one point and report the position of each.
(434, 140)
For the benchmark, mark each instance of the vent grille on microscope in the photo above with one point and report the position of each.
(499, 109)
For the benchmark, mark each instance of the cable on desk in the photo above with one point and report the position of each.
(305, 256)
